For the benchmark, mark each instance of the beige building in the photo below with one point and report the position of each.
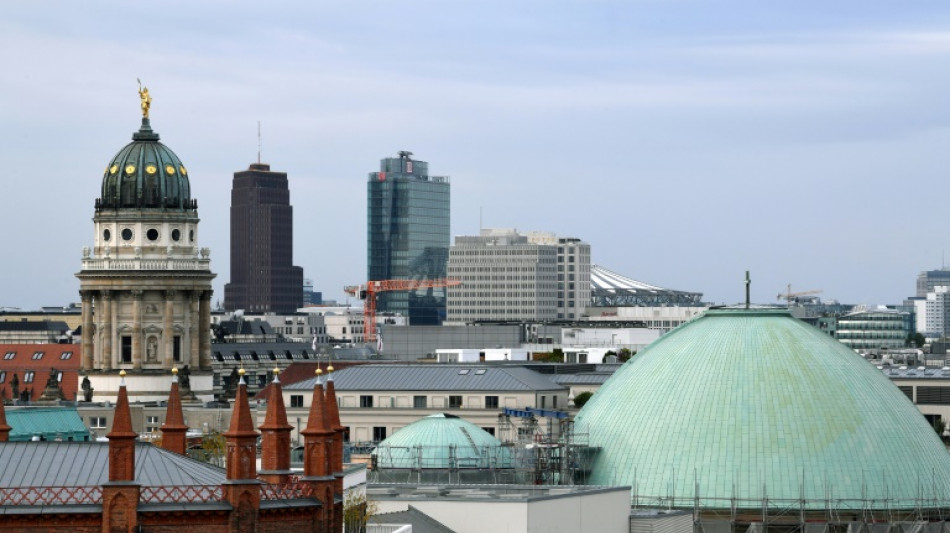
(145, 284)
(375, 401)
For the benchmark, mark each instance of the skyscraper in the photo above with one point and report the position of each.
(407, 235)
(263, 278)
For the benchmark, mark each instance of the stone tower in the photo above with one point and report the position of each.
(145, 284)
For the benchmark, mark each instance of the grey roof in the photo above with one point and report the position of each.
(84, 464)
(435, 377)
(421, 522)
(581, 379)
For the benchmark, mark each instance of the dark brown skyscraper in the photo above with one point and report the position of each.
(263, 277)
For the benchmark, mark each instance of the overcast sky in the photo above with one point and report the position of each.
(686, 141)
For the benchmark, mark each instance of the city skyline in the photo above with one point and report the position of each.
(685, 142)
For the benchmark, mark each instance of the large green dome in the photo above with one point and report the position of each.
(755, 405)
(145, 174)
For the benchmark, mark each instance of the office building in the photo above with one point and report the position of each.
(507, 275)
(928, 280)
(263, 278)
(408, 235)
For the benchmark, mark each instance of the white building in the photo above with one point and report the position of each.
(507, 275)
(933, 313)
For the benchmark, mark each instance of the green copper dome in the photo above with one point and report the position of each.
(755, 405)
(441, 441)
(145, 174)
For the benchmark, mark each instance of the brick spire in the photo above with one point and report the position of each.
(174, 428)
(275, 437)
(333, 421)
(317, 436)
(122, 439)
(241, 437)
(4, 428)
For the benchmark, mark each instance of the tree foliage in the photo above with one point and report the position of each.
(582, 398)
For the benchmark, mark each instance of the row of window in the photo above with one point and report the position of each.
(37, 356)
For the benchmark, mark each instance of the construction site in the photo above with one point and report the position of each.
(537, 447)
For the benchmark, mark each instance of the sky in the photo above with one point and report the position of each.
(686, 141)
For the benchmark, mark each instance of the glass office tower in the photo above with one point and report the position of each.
(407, 235)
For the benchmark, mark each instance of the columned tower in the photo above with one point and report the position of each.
(145, 284)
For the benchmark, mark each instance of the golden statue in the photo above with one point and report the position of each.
(146, 99)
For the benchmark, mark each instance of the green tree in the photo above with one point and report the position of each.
(582, 398)
(915, 339)
(625, 355)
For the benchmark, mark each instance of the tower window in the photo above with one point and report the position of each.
(176, 235)
(106, 235)
(127, 234)
(152, 234)
(126, 349)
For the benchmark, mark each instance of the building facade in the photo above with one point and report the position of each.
(145, 284)
(932, 312)
(507, 275)
(874, 329)
(408, 235)
(263, 277)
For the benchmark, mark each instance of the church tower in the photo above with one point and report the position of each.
(145, 284)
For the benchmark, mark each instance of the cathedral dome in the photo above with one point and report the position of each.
(753, 405)
(145, 174)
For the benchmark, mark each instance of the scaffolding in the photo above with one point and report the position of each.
(529, 454)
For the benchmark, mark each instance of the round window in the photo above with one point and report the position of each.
(127, 234)
(106, 235)
(152, 234)
(176, 235)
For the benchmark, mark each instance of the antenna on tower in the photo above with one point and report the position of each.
(258, 142)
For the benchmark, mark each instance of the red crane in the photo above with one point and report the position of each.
(368, 293)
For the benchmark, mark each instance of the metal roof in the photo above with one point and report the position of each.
(581, 379)
(84, 464)
(749, 404)
(441, 441)
(609, 289)
(48, 422)
(435, 377)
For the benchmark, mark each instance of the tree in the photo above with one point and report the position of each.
(915, 339)
(357, 510)
(625, 355)
(582, 398)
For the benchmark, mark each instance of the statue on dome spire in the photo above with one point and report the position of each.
(145, 97)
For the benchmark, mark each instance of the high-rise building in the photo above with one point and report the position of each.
(506, 275)
(263, 278)
(929, 279)
(407, 235)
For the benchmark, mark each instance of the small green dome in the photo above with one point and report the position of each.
(441, 441)
(754, 405)
(145, 174)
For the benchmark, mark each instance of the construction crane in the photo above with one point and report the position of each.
(790, 296)
(368, 293)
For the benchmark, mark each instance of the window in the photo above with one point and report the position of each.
(554, 402)
(491, 402)
(455, 402)
(28, 376)
(151, 424)
(543, 400)
(3, 376)
(126, 349)
(66, 355)
(418, 402)
(490, 431)
(97, 422)
(9, 355)
(38, 355)
(176, 348)
(296, 400)
(366, 401)
(379, 433)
